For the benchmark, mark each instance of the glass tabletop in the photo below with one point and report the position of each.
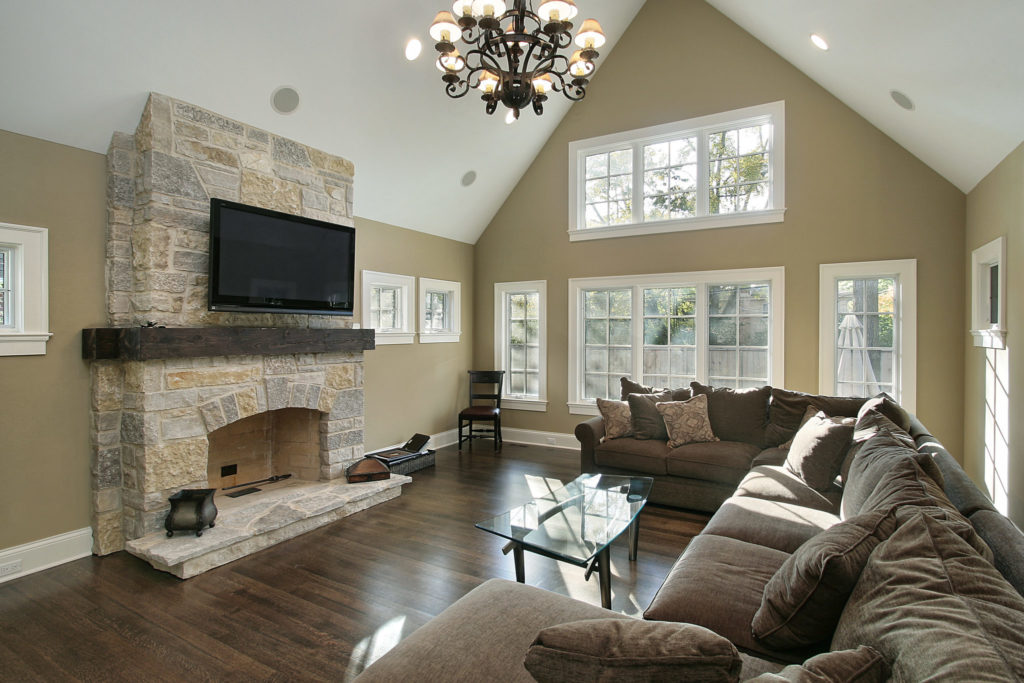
(577, 521)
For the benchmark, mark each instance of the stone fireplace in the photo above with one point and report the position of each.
(265, 393)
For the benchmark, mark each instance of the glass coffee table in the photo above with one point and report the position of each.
(576, 524)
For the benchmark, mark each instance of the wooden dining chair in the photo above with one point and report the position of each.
(484, 385)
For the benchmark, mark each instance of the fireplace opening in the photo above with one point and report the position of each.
(274, 443)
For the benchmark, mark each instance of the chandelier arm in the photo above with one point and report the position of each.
(572, 91)
(456, 89)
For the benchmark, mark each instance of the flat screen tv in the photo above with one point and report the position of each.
(268, 261)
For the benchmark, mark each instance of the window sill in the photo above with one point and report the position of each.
(24, 343)
(394, 337)
(438, 337)
(536, 405)
(990, 339)
(583, 409)
(659, 227)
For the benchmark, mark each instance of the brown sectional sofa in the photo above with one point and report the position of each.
(931, 584)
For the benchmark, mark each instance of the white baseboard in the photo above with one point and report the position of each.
(534, 437)
(47, 552)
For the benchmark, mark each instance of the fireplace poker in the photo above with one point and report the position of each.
(268, 480)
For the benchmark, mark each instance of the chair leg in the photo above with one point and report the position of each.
(460, 433)
(498, 441)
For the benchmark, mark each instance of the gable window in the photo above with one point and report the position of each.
(868, 338)
(439, 310)
(520, 348)
(24, 302)
(714, 171)
(387, 306)
(988, 300)
(719, 327)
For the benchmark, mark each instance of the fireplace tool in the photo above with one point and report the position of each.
(251, 488)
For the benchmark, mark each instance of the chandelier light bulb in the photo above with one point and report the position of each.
(451, 63)
(488, 8)
(557, 10)
(579, 67)
(590, 35)
(543, 84)
(488, 82)
(444, 29)
(463, 8)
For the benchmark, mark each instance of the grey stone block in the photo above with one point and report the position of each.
(347, 404)
(290, 152)
(106, 468)
(191, 261)
(182, 427)
(207, 118)
(331, 442)
(120, 161)
(172, 217)
(120, 191)
(218, 178)
(230, 406)
(172, 176)
(312, 199)
(213, 415)
(258, 135)
(278, 391)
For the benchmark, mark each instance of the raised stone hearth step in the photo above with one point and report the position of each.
(250, 523)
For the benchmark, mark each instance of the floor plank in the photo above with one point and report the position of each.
(321, 606)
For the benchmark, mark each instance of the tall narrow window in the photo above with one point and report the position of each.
(670, 343)
(440, 303)
(738, 162)
(868, 336)
(520, 348)
(24, 307)
(607, 339)
(988, 285)
(387, 306)
(609, 188)
(738, 325)
(6, 290)
(670, 179)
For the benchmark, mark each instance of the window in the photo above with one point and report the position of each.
(520, 348)
(387, 306)
(724, 328)
(868, 336)
(440, 303)
(988, 301)
(24, 296)
(714, 171)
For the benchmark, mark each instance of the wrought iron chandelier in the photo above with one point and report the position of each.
(515, 57)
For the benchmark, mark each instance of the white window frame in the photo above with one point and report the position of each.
(986, 333)
(905, 372)
(29, 331)
(453, 293)
(774, 113)
(502, 291)
(775, 275)
(406, 285)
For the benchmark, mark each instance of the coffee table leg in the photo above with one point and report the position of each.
(604, 575)
(517, 554)
(634, 537)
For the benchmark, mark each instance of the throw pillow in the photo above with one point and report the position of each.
(802, 602)
(687, 421)
(818, 449)
(617, 420)
(935, 609)
(647, 422)
(808, 414)
(887, 405)
(737, 414)
(631, 650)
(863, 665)
(786, 408)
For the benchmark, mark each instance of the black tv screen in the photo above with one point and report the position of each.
(268, 261)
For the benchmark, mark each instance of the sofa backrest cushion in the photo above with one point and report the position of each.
(887, 405)
(818, 449)
(647, 421)
(967, 497)
(863, 665)
(737, 414)
(935, 609)
(1006, 542)
(786, 408)
(628, 387)
(872, 459)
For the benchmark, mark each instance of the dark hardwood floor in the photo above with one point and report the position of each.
(321, 606)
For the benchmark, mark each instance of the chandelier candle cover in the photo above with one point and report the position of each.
(515, 57)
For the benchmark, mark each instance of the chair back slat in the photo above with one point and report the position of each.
(490, 378)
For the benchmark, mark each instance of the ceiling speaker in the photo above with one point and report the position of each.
(285, 100)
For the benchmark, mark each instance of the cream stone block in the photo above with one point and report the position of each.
(107, 536)
(260, 162)
(344, 376)
(107, 385)
(107, 500)
(151, 247)
(269, 192)
(143, 376)
(167, 466)
(209, 377)
(248, 402)
(328, 162)
(191, 131)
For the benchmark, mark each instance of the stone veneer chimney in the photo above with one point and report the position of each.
(150, 418)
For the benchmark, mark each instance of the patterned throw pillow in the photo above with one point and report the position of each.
(617, 419)
(687, 421)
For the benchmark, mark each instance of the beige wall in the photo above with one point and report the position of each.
(996, 208)
(44, 422)
(852, 194)
(415, 387)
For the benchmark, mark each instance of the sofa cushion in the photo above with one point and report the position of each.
(804, 599)
(961, 491)
(631, 650)
(818, 449)
(617, 419)
(887, 405)
(647, 421)
(781, 526)
(724, 462)
(786, 408)
(872, 459)
(863, 665)
(713, 569)
(646, 457)
(628, 387)
(935, 609)
(1006, 542)
(687, 421)
(774, 482)
(771, 456)
(736, 414)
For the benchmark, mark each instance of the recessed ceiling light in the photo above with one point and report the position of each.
(285, 100)
(469, 178)
(819, 42)
(413, 49)
(902, 99)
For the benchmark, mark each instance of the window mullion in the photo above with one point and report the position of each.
(703, 173)
(637, 200)
(637, 306)
(700, 333)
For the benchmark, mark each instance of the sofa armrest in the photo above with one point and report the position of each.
(589, 434)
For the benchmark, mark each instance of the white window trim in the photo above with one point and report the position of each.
(454, 290)
(776, 275)
(985, 333)
(906, 272)
(30, 332)
(578, 150)
(501, 291)
(407, 284)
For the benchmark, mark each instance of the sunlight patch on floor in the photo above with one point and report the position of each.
(375, 646)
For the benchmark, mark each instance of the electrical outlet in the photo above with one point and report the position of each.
(551, 441)
(10, 568)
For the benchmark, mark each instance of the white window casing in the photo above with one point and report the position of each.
(512, 396)
(632, 220)
(26, 290)
(904, 343)
(404, 330)
(440, 310)
(702, 282)
(988, 294)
